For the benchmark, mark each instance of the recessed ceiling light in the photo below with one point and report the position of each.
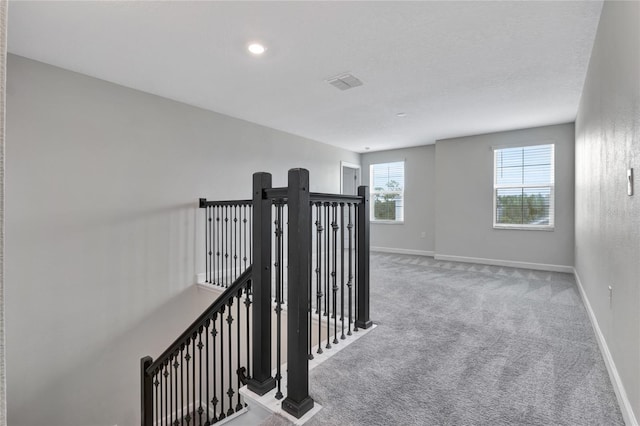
(401, 114)
(256, 48)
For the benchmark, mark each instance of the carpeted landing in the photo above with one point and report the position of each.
(464, 344)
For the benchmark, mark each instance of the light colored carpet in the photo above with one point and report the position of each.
(462, 344)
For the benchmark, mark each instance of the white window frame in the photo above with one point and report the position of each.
(552, 197)
(372, 193)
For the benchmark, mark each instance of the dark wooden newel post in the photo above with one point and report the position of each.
(261, 381)
(363, 320)
(146, 396)
(298, 401)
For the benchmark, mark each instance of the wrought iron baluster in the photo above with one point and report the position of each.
(238, 340)
(230, 275)
(342, 269)
(193, 410)
(278, 309)
(206, 367)
(327, 273)
(310, 354)
(222, 414)
(319, 230)
(187, 358)
(165, 375)
(207, 243)
(159, 403)
(205, 377)
(182, 384)
(356, 261)
(285, 260)
(218, 240)
(227, 258)
(173, 390)
(326, 268)
(234, 245)
(334, 226)
(247, 303)
(231, 246)
(176, 364)
(168, 391)
(156, 383)
(212, 242)
(350, 278)
(221, 240)
(244, 221)
(230, 392)
(232, 258)
(214, 400)
(237, 256)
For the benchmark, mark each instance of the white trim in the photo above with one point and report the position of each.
(269, 402)
(618, 387)
(402, 251)
(549, 228)
(348, 165)
(227, 274)
(191, 408)
(535, 142)
(211, 288)
(372, 192)
(508, 263)
(551, 186)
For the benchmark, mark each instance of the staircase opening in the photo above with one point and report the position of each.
(294, 266)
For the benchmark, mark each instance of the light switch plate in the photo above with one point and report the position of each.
(629, 181)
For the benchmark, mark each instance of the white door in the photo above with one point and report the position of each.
(350, 179)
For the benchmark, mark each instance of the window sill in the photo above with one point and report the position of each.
(387, 222)
(525, 228)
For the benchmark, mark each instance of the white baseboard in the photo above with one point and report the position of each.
(508, 263)
(623, 400)
(226, 274)
(217, 290)
(402, 251)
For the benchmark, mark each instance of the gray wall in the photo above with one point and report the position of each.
(419, 215)
(102, 232)
(464, 203)
(3, 75)
(607, 221)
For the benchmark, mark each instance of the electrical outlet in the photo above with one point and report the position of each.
(423, 235)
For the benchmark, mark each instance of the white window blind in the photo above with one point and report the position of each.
(524, 187)
(387, 192)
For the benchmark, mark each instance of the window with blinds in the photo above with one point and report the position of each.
(523, 192)
(387, 192)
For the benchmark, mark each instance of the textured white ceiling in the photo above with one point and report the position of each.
(455, 68)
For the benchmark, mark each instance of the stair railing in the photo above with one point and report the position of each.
(320, 244)
(228, 249)
(325, 281)
(196, 380)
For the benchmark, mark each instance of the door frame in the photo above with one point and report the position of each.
(347, 165)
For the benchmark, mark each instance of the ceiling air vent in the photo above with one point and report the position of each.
(344, 81)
